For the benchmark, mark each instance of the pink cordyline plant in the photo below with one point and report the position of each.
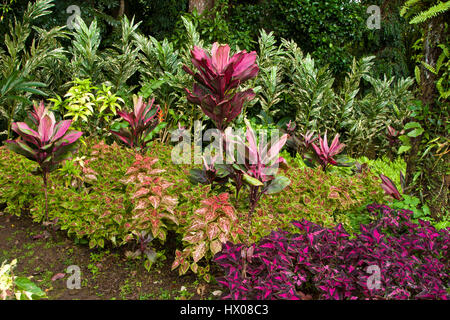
(259, 163)
(290, 127)
(37, 113)
(217, 80)
(143, 119)
(308, 139)
(390, 188)
(51, 144)
(326, 153)
(393, 135)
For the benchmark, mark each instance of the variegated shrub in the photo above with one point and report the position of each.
(212, 225)
(153, 208)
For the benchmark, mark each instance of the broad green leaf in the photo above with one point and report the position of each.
(252, 181)
(277, 184)
(416, 132)
(405, 140)
(411, 125)
(92, 243)
(25, 284)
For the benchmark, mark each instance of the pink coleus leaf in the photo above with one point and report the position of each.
(199, 251)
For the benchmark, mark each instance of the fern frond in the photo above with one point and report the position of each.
(432, 12)
(407, 6)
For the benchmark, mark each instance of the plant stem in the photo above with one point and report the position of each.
(44, 176)
(10, 120)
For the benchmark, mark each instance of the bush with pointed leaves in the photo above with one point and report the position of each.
(219, 76)
(326, 153)
(48, 146)
(142, 120)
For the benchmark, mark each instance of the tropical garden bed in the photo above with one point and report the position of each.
(188, 170)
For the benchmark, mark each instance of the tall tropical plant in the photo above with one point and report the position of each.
(427, 170)
(86, 58)
(48, 145)
(217, 82)
(120, 60)
(19, 65)
(311, 88)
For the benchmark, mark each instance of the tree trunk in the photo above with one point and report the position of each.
(200, 5)
(433, 183)
(121, 8)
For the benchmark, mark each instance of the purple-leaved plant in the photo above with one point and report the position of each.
(413, 260)
(389, 187)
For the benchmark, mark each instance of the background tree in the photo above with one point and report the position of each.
(427, 159)
(200, 5)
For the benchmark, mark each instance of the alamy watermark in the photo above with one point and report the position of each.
(74, 281)
(75, 12)
(374, 20)
(374, 281)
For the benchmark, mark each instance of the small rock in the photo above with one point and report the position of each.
(217, 293)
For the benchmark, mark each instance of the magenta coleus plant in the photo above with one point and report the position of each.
(412, 260)
(219, 76)
(142, 120)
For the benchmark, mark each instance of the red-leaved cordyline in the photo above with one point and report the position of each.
(37, 113)
(143, 119)
(217, 80)
(259, 164)
(290, 127)
(48, 146)
(325, 153)
(390, 188)
(393, 135)
(308, 139)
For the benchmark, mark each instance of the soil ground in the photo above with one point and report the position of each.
(105, 274)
